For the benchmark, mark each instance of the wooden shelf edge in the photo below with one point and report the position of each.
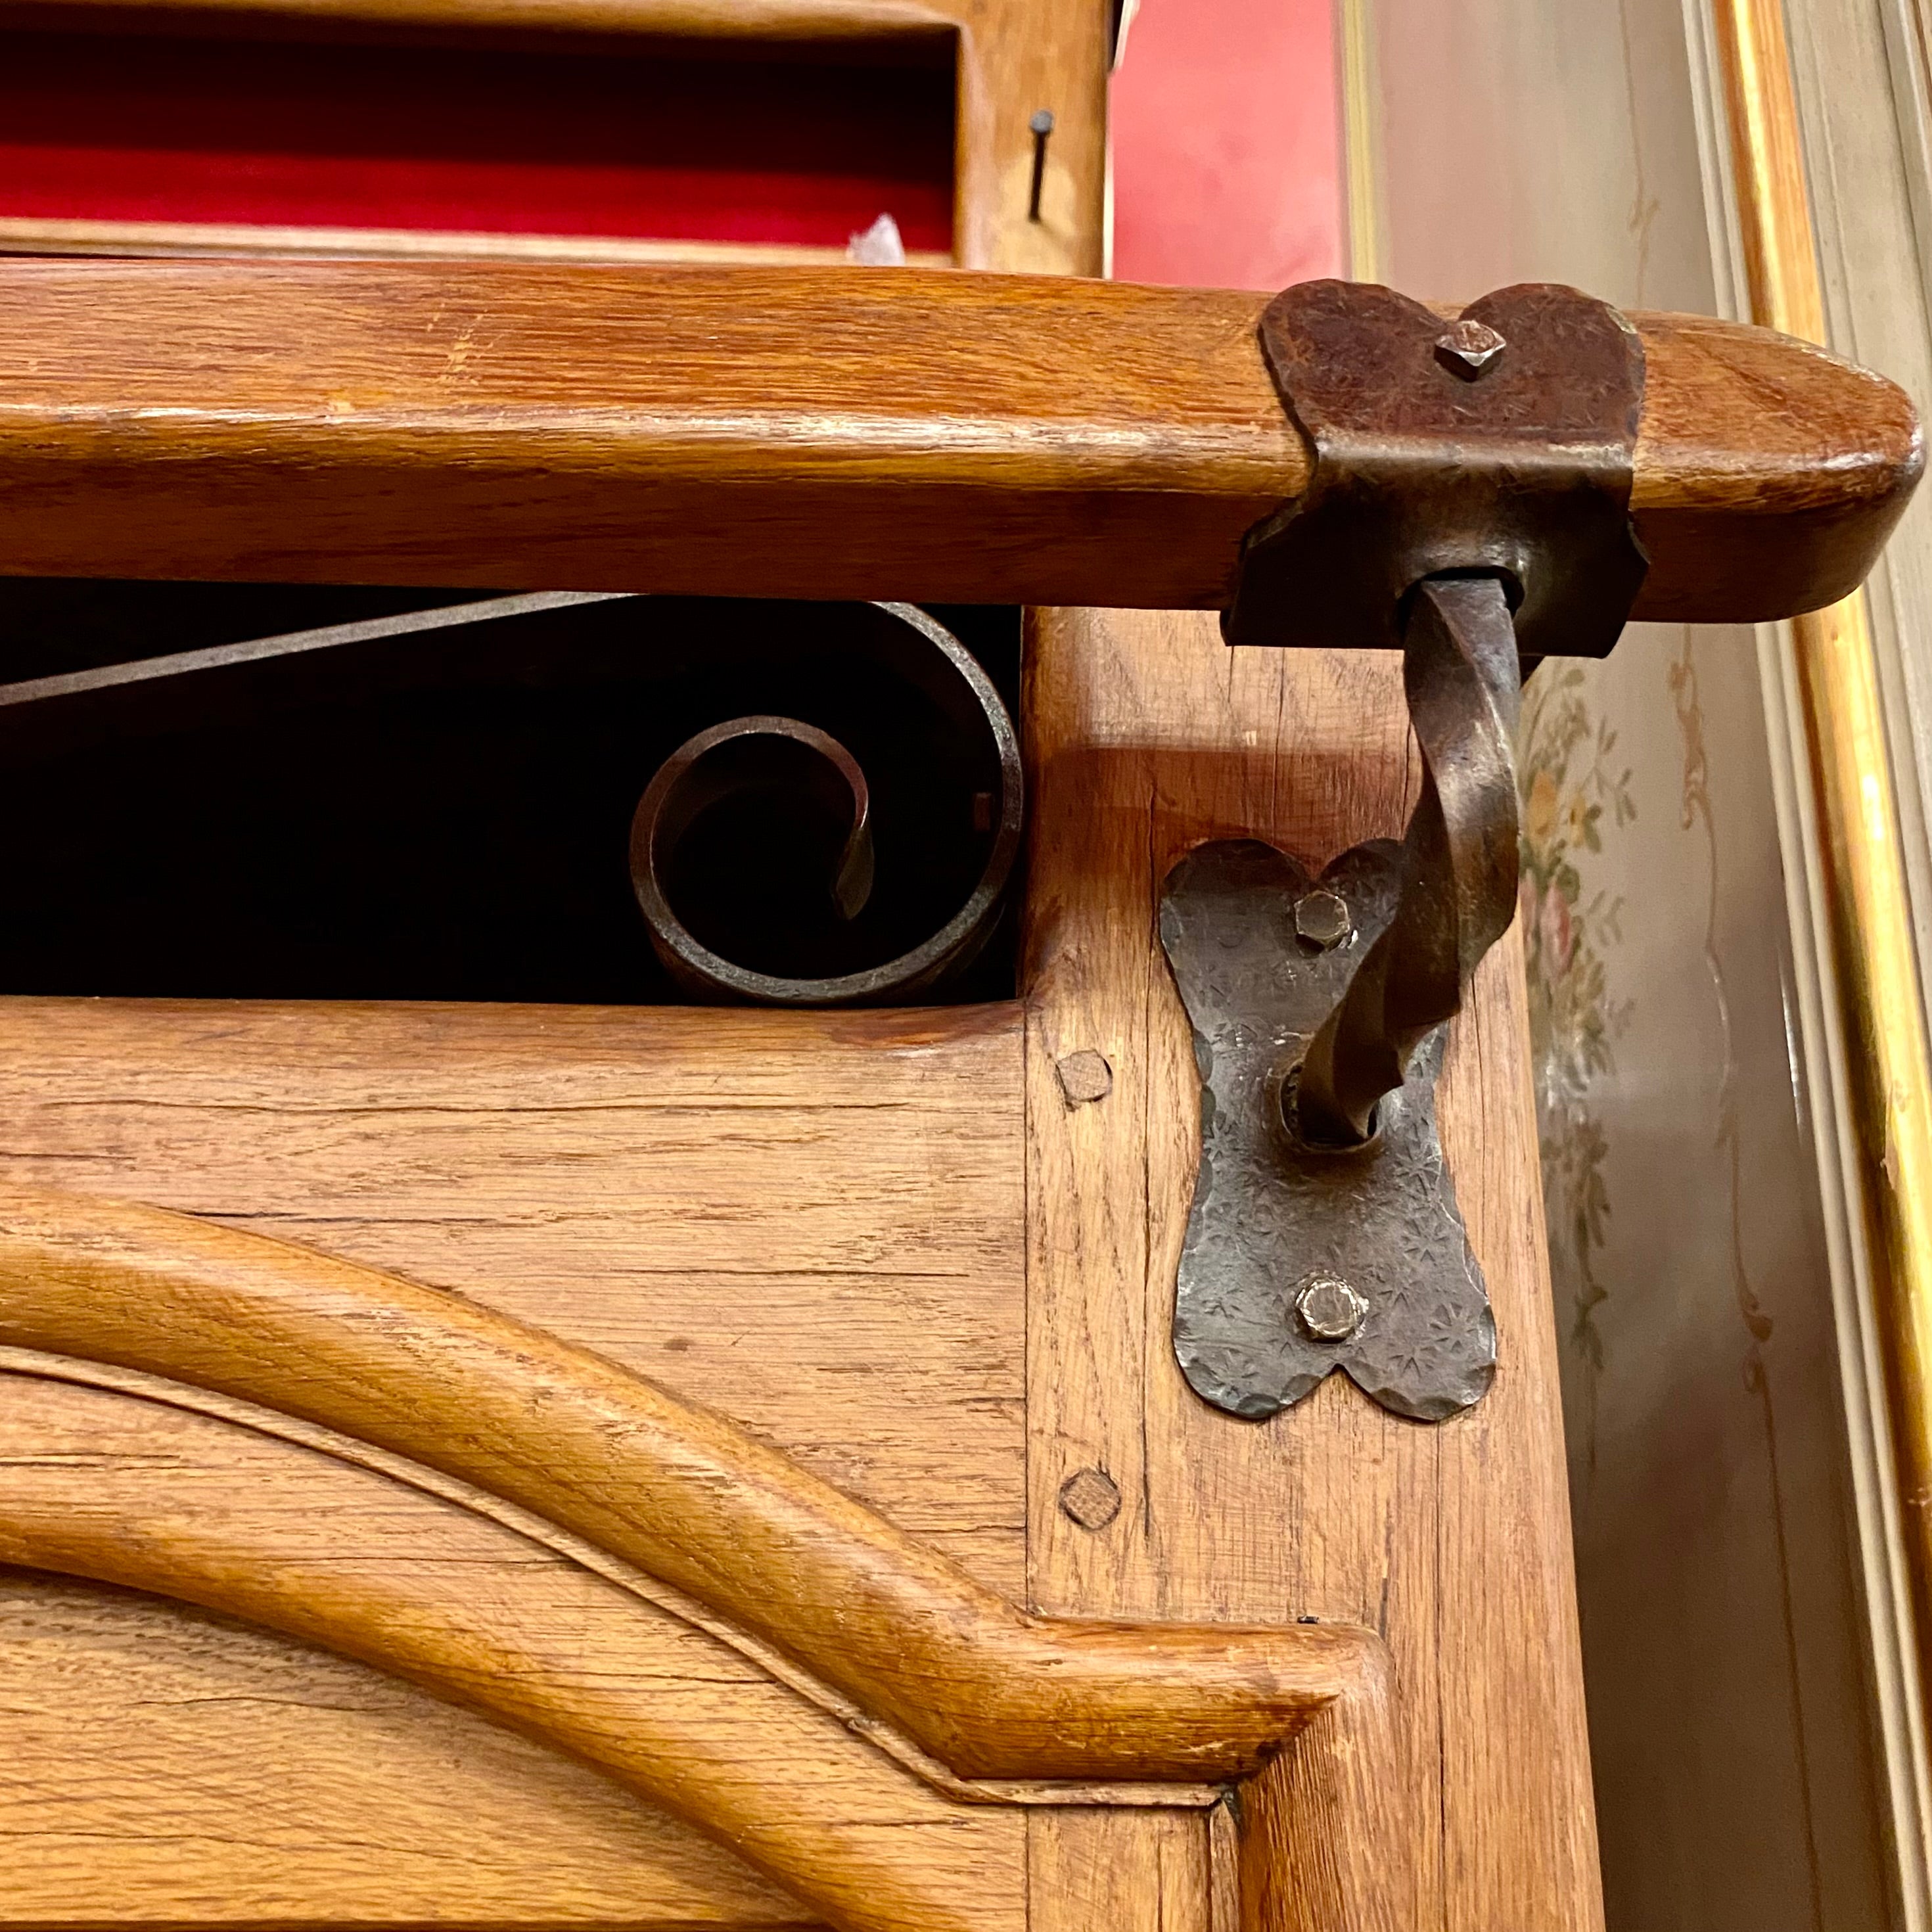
(807, 431)
(19, 235)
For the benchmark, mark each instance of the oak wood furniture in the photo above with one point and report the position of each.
(775, 1413)
(837, 433)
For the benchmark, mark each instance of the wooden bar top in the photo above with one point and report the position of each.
(801, 432)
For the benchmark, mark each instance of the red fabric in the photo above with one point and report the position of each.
(142, 129)
(1227, 144)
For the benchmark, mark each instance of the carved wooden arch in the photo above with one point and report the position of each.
(846, 1636)
(123, 1479)
(685, 1495)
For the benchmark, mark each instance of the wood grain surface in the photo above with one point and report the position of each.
(689, 1498)
(847, 1188)
(98, 1482)
(170, 1766)
(811, 1224)
(821, 433)
(28, 235)
(1016, 57)
(1456, 1792)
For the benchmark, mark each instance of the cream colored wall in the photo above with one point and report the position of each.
(1737, 1724)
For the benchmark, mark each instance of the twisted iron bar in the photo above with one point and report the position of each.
(1461, 675)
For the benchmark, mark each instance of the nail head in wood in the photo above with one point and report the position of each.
(1084, 1076)
(1090, 1498)
(1040, 126)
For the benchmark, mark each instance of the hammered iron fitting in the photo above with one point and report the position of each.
(1281, 1235)
(1468, 503)
(1512, 454)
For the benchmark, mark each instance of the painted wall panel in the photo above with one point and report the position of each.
(1226, 145)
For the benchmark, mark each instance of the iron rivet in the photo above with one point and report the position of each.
(1322, 919)
(1468, 349)
(1084, 1076)
(1331, 1310)
(1090, 1498)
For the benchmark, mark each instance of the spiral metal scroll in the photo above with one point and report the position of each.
(783, 757)
(1461, 673)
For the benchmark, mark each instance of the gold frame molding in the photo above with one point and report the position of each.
(1880, 1006)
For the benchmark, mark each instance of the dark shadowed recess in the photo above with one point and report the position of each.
(148, 115)
(439, 815)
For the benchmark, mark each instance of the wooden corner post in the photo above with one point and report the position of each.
(1451, 1787)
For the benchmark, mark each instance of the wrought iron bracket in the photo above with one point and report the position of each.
(1468, 504)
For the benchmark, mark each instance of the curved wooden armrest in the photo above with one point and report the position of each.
(803, 433)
